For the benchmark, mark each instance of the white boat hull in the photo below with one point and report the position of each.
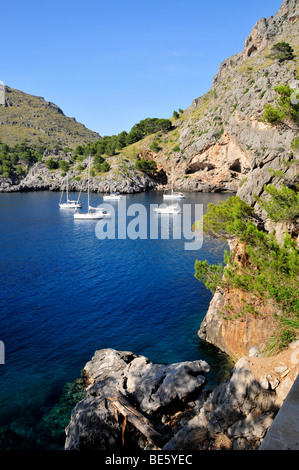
(173, 196)
(88, 216)
(70, 205)
(112, 197)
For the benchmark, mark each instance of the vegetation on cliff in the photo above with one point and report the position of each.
(266, 268)
(282, 51)
(283, 204)
(287, 107)
(109, 145)
(16, 159)
(147, 166)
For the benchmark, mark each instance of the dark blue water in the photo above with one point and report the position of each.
(65, 293)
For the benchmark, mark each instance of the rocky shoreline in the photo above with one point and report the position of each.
(39, 178)
(132, 404)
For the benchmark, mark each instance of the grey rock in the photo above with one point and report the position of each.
(133, 403)
(106, 362)
(156, 386)
(264, 383)
(124, 387)
(94, 426)
(238, 408)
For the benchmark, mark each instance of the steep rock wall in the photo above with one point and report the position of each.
(269, 154)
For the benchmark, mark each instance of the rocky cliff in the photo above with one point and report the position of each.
(270, 152)
(221, 140)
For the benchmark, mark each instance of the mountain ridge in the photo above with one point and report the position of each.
(31, 118)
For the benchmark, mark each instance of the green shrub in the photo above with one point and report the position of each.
(155, 146)
(283, 204)
(51, 164)
(282, 51)
(295, 144)
(272, 115)
(286, 109)
(63, 165)
(98, 159)
(103, 167)
(147, 166)
(210, 274)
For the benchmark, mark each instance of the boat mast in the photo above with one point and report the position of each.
(172, 182)
(79, 195)
(61, 195)
(88, 183)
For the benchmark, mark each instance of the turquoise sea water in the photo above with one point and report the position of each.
(65, 293)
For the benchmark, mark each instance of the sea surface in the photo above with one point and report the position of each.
(65, 293)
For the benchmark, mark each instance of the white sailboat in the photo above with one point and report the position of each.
(112, 196)
(91, 214)
(173, 195)
(69, 204)
(170, 209)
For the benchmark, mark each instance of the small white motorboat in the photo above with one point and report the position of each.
(112, 197)
(174, 196)
(170, 209)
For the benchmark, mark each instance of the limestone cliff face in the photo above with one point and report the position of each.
(221, 140)
(268, 151)
(230, 326)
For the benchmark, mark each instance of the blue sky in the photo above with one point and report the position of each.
(112, 63)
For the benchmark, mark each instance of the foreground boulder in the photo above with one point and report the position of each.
(133, 404)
